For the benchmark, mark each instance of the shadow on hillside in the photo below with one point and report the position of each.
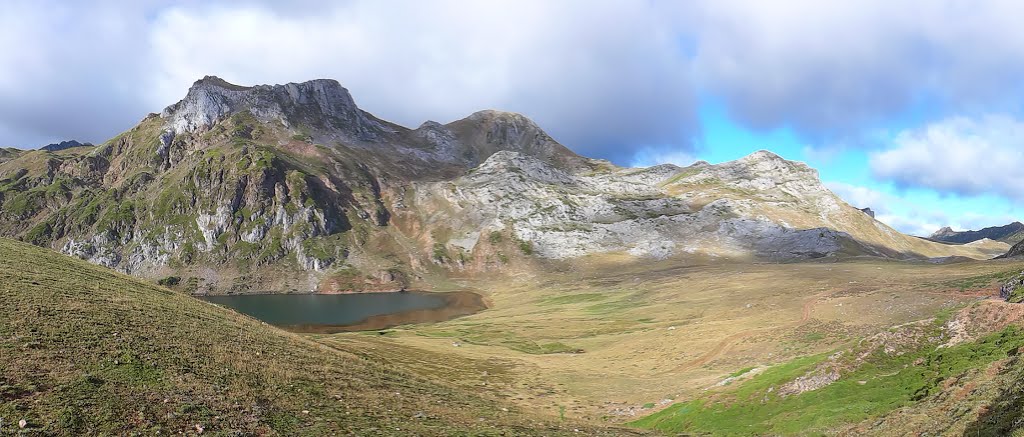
(1006, 413)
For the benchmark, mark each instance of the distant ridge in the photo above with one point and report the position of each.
(1012, 233)
(63, 145)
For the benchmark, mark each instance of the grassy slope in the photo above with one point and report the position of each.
(878, 387)
(86, 350)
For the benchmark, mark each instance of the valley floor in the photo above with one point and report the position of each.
(611, 344)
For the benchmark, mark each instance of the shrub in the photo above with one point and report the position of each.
(169, 281)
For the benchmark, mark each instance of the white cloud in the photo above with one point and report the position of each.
(959, 155)
(890, 209)
(649, 156)
(862, 197)
(924, 218)
(911, 225)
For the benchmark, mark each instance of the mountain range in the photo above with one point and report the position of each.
(1012, 233)
(295, 188)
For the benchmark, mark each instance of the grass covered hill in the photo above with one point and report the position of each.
(84, 351)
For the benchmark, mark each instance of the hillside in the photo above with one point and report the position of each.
(1012, 233)
(89, 351)
(956, 374)
(294, 188)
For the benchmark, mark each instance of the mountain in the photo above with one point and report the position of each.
(63, 145)
(1012, 233)
(294, 188)
(88, 351)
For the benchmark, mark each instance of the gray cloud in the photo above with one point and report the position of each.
(831, 68)
(602, 77)
(613, 78)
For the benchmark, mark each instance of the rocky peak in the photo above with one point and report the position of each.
(764, 170)
(321, 104)
(484, 133)
(766, 160)
(946, 230)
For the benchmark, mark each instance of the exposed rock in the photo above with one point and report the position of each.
(322, 103)
(1013, 289)
(809, 382)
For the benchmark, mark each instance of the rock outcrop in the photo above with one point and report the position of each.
(321, 103)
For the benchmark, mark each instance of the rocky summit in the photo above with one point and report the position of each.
(293, 187)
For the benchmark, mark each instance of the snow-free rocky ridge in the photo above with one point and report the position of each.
(293, 187)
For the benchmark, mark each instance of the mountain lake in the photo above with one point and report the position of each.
(328, 313)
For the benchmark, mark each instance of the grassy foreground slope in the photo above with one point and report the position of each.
(84, 350)
(923, 376)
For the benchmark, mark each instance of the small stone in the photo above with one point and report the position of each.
(200, 429)
(305, 411)
(22, 423)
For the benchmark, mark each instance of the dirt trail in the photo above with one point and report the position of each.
(719, 349)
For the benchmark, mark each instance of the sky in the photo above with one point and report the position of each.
(914, 108)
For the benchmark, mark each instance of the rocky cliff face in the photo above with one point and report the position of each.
(293, 187)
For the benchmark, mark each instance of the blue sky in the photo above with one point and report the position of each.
(912, 107)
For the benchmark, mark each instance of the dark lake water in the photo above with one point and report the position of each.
(351, 312)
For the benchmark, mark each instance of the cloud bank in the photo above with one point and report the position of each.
(610, 78)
